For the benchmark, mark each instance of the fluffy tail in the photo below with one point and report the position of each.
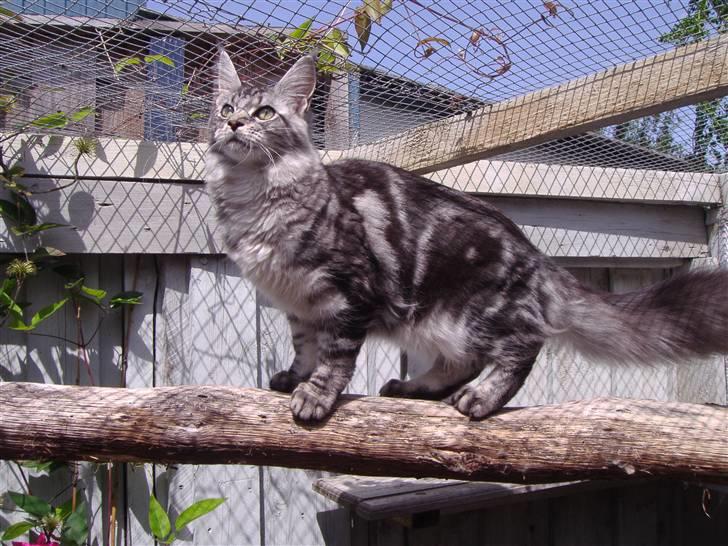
(683, 317)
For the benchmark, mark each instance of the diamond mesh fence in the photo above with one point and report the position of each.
(143, 69)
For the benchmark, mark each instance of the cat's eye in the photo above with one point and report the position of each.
(226, 110)
(264, 113)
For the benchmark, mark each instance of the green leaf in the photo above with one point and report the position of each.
(336, 42)
(363, 27)
(45, 253)
(197, 115)
(25, 229)
(30, 504)
(302, 30)
(81, 114)
(126, 61)
(185, 89)
(196, 510)
(40, 316)
(130, 297)
(56, 120)
(95, 293)
(75, 528)
(43, 466)
(158, 58)
(69, 271)
(19, 210)
(376, 9)
(6, 101)
(9, 211)
(17, 529)
(64, 510)
(158, 520)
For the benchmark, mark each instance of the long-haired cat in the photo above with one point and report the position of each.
(359, 248)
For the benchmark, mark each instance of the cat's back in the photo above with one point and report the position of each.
(413, 199)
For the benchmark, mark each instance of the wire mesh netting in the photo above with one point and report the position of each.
(143, 69)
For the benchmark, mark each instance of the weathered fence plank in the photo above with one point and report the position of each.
(208, 315)
(152, 218)
(678, 77)
(133, 160)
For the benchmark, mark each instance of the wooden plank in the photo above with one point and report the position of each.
(121, 159)
(145, 217)
(378, 498)
(289, 505)
(678, 77)
(573, 181)
(207, 315)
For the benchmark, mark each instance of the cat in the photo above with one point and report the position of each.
(358, 248)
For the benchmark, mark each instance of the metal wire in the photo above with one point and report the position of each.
(66, 55)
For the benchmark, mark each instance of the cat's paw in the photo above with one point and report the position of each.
(309, 403)
(470, 401)
(284, 381)
(393, 388)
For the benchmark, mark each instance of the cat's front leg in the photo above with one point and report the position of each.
(303, 336)
(337, 348)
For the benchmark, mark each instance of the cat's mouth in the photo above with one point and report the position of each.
(231, 144)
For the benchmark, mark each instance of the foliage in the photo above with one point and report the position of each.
(161, 525)
(120, 65)
(64, 523)
(710, 132)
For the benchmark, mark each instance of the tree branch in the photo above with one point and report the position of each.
(603, 438)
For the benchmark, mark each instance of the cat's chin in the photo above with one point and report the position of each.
(233, 149)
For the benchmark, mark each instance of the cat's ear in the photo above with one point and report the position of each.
(298, 84)
(227, 77)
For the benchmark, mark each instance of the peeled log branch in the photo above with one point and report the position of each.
(603, 438)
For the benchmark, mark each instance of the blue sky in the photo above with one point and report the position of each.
(586, 37)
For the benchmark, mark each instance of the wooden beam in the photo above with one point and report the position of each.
(133, 160)
(177, 218)
(678, 77)
(603, 438)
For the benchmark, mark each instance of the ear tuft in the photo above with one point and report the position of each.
(227, 76)
(299, 83)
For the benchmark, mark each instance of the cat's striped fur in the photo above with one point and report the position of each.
(359, 248)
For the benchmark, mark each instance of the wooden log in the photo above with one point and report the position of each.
(602, 438)
(679, 77)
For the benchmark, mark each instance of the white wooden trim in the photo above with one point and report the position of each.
(177, 218)
(121, 159)
(678, 77)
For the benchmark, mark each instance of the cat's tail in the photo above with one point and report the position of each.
(683, 317)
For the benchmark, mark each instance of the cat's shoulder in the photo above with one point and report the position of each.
(363, 172)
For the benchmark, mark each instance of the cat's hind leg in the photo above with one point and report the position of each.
(437, 383)
(499, 386)
(303, 337)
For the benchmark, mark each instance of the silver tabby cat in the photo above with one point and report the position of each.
(359, 248)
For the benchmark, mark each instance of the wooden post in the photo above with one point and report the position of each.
(602, 438)
(682, 76)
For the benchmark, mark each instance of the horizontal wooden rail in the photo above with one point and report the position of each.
(603, 438)
(678, 77)
(133, 160)
(177, 218)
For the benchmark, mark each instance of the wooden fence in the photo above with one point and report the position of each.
(142, 221)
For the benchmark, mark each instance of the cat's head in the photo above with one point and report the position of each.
(252, 123)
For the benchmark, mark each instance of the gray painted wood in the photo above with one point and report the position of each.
(207, 315)
(177, 218)
(120, 158)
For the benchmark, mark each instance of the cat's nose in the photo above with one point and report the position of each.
(235, 123)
